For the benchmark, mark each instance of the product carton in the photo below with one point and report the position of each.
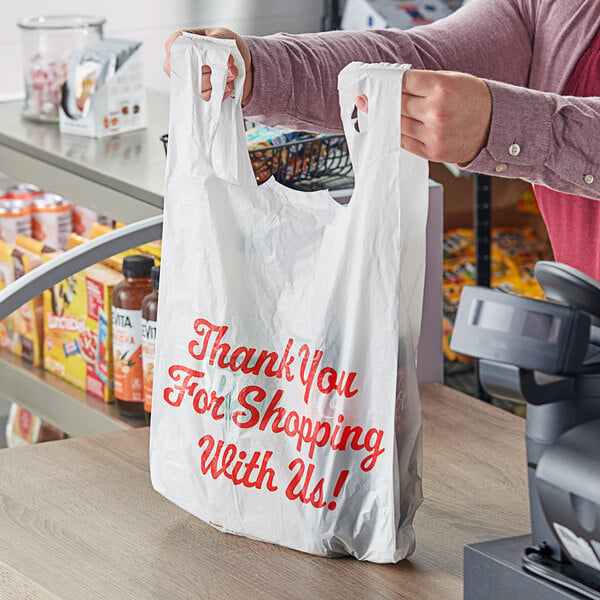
(400, 14)
(98, 105)
(21, 332)
(78, 330)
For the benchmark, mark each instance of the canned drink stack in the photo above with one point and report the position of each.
(51, 220)
(15, 218)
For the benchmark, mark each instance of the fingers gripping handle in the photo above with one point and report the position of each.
(215, 53)
(380, 134)
(207, 133)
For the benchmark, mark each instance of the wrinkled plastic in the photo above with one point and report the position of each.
(285, 403)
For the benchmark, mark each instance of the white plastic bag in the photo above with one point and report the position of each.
(285, 404)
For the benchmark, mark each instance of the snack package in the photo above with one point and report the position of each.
(527, 202)
(458, 242)
(516, 243)
(104, 91)
(78, 330)
(21, 332)
(84, 218)
(24, 428)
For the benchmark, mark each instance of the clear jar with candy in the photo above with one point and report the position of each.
(47, 43)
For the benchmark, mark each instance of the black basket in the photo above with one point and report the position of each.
(315, 163)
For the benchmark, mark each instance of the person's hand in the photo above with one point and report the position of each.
(206, 71)
(445, 116)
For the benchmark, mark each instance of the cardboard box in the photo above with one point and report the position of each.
(116, 106)
(78, 330)
(400, 14)
(21, 332)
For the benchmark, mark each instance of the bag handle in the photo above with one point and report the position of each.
(207, 134)
(372, 136)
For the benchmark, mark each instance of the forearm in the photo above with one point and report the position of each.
(556, 135)
(295, 76)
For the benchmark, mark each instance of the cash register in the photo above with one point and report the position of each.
(546, 353)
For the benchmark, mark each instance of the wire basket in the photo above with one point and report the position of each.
(315, 163)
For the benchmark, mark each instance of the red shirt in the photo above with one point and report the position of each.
(573, 222)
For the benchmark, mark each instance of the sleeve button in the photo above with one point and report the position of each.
(589, 179)
(514, 149)
(501, 167)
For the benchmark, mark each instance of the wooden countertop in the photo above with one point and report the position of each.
(79, 521)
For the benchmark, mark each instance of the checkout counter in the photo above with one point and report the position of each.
(80, 521)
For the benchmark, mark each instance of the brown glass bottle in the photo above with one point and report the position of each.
(149, 312)
(127, 333)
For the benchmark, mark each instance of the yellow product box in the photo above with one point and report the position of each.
(116, 261)
(78, 330)
(21, 332)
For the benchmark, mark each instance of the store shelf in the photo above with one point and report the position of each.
(58, 402)
(120, 176)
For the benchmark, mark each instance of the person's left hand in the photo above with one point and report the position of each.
(227, 34)
(445, 115)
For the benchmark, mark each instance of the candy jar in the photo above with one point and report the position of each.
(47, 43)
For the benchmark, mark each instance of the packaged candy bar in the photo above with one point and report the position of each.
(458, 242)
(527, 202)
(71, 348)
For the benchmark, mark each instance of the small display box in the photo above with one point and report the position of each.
(104, 91)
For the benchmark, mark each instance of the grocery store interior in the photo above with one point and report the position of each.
(82, 175)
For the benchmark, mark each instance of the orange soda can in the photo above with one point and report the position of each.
(15, 218)
(51, 220)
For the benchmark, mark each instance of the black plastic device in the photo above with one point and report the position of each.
(533, 334)
(548, 354)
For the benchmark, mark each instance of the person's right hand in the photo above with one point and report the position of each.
(445, 116)
(206, 71)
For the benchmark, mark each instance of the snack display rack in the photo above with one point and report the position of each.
(121, 176)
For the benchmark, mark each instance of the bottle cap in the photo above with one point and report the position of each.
(155, 277)
(137, 265)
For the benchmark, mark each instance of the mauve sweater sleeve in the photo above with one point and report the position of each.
(295, 84)
(295, 76)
